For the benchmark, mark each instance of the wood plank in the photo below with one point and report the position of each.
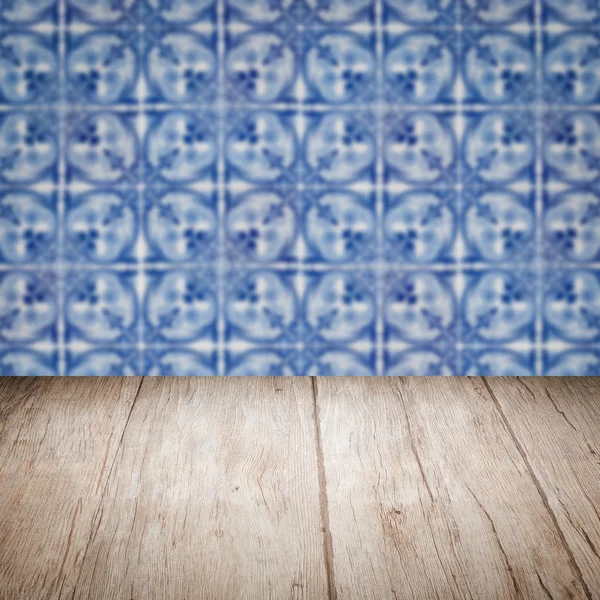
(214, 495)
(557, 424)
(428, 497)
(58, 440)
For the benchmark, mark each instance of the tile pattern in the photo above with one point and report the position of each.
(300, 187)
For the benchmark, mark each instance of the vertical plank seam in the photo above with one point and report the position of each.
(101, 501)
(540, 490)
(323, 500)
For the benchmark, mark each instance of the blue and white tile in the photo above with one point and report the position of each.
(340, 307)
(574, 13)
(112, 361)
(499, 226)
(102, 67)
(496, 13)
(578, 361)
(28, 226)
(499, 148)
(498, 307)
(101, 227)
(340, 227)
(181, 67)
(339, 67)
(180, 306)
(499, 67)
(441, 13)
(420, 361)
(571, 307)
(28, 68)
(158, 14)
(313, 361)
(261, 147)
(21, 362)
(572, 147)
(421, 67)
(340, 148)
(29, 147)
(101, 13)
(261, 66)
(28, 307)
(262, 226)
(420, 148)
(28, 13)
(261, 361)
(180, 362)
(572, 226)
(180, 226)
(571, 68)
(283, 15)
(262, 306)
(299, 187)
(180, 147)
(102, 148)
(499, 362)
(420, 307)
(101, 307)
(420, 227)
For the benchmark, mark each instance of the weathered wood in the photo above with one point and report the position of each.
(425, 488)
(214, 495)
(428, 496)
(58, 440)
(557, 424)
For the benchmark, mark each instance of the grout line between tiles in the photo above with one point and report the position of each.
(221, 190)
(539, 192)
(61, 191)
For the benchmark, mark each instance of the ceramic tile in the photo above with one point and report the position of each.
(342, 187)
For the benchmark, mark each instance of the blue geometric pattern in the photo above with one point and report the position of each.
(334, 187)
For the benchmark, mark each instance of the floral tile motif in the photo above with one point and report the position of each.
(300, 187)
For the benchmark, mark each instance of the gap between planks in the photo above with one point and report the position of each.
(423, 461)
(239, 458)
(540, 489)
(557, 423)
(505, 405)
(323, 500)
(328, 553)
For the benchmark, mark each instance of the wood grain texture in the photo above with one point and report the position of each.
(244, 488)
(428, 496)
(214, 495)
(58, 440)
(557, 424)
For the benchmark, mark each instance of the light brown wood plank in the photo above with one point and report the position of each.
(428, 496)
(214, 495)
(557, 424)
(58, 440)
